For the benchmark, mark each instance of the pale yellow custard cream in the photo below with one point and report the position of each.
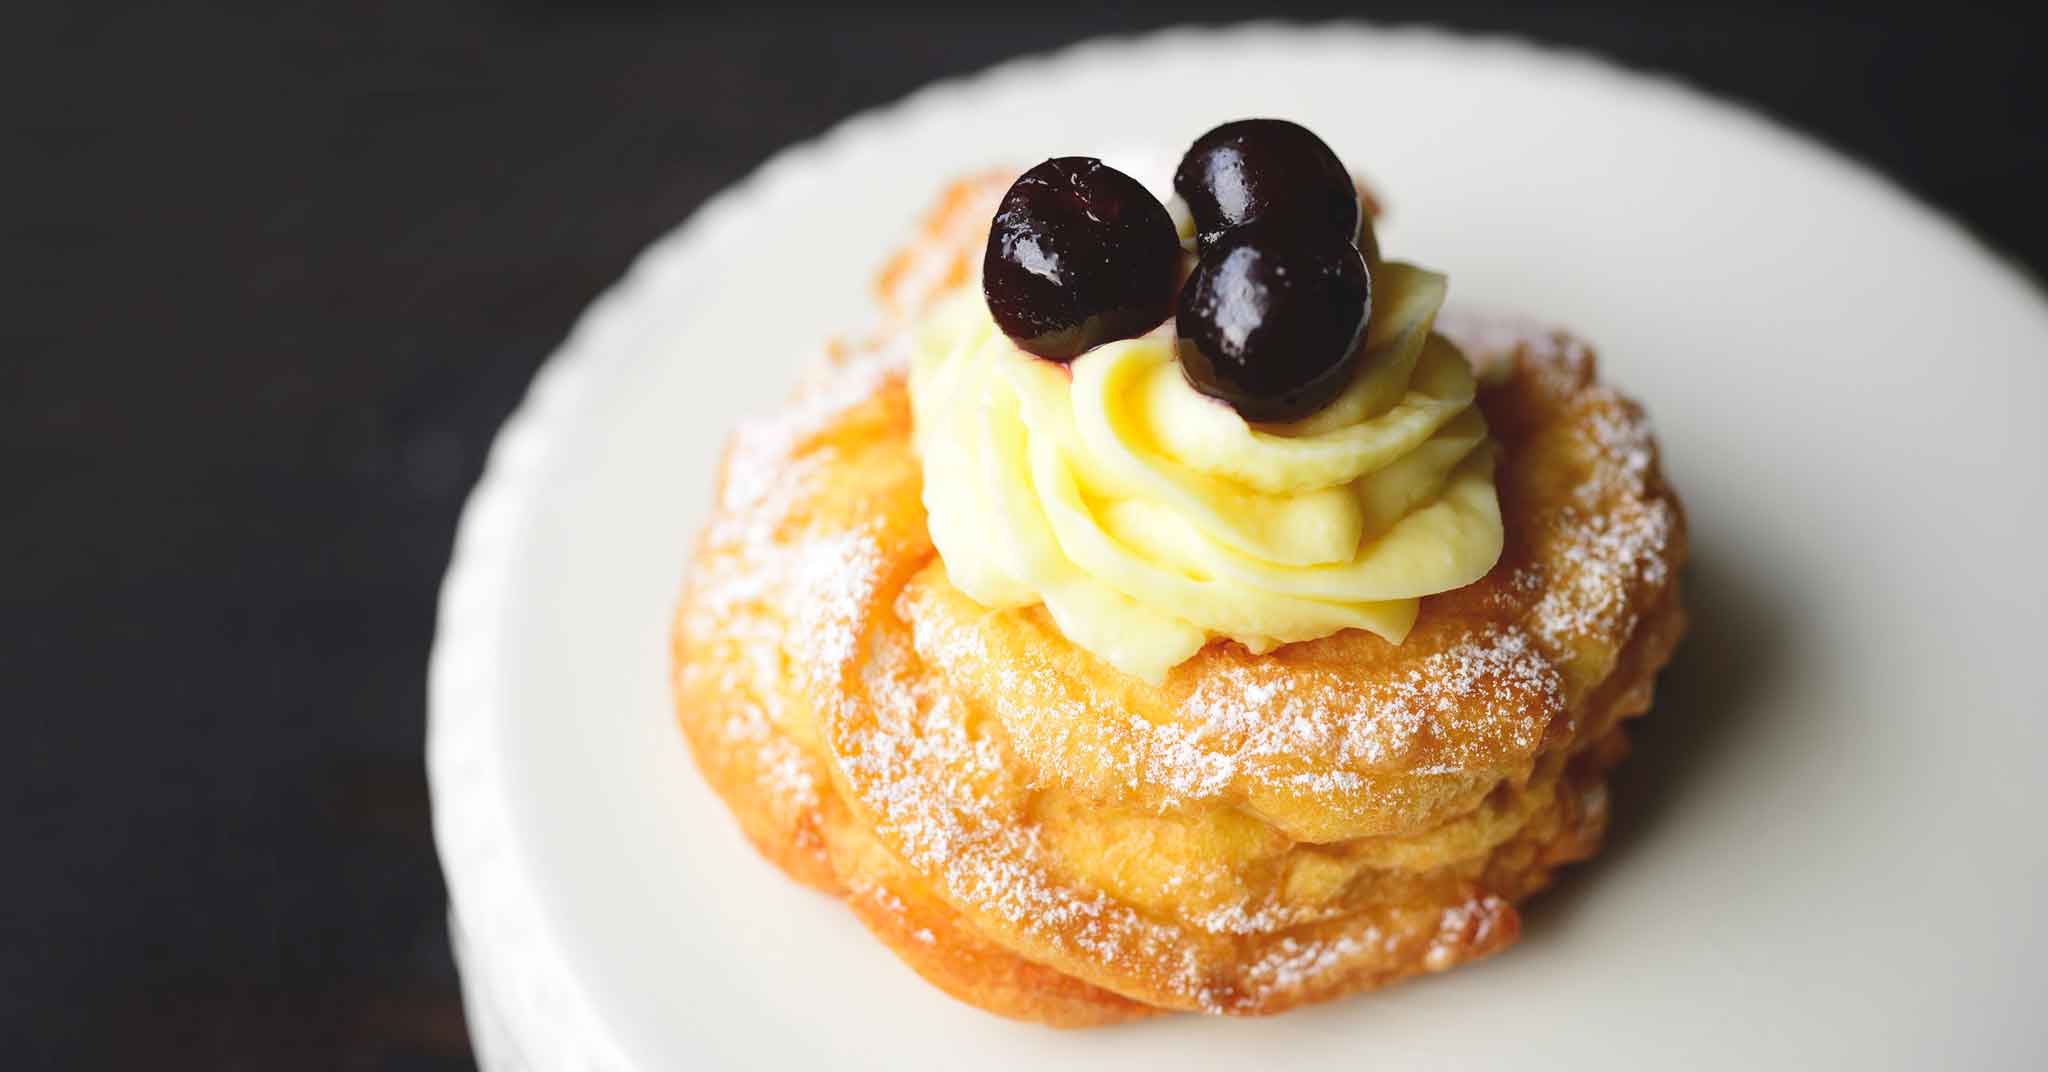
(1150, 519)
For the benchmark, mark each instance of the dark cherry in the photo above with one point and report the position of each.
(1265, 169)
(1270, 321)
(1080, 254)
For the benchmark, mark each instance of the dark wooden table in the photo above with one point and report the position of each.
(273, 277)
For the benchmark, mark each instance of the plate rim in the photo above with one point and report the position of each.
(496, 916)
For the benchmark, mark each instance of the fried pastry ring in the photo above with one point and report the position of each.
(1047, 838)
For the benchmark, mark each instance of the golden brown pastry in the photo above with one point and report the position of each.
(1051, 838)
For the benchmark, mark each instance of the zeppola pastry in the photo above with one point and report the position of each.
(1162, 610)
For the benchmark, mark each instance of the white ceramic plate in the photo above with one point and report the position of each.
(1831, 841)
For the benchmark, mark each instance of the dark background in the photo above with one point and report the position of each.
(273, 276)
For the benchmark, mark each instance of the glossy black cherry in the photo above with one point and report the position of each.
(1265, 169)
(1080, 254)
(1271, 320)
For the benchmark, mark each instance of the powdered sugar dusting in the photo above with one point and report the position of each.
(771, 470)
(943, 796)
(762, 448)
(757, 576)
(1291, 964)
(1247, 919)
(1472, 925)
(836, 577)
(1497, 678)
(1613, 539)
(1251, 727)
(884, 898)
(946, 793)
(789, 775)
(1606, 556)
(1489, 671)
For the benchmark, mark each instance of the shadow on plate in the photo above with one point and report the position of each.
(1738, 644)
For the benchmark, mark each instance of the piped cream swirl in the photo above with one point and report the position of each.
(1150, 519)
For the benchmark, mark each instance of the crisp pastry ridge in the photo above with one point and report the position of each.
(1044, 837)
